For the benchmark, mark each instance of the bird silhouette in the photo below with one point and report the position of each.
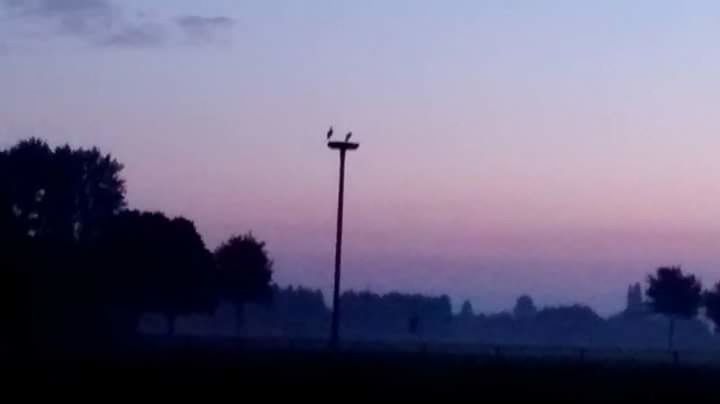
(330, 133)
(348, 136)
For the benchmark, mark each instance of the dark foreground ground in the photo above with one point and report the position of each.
(210, 371)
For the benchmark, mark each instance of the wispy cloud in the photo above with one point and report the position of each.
(139, 36)
(60, 8)
(205, 29)
(105, 23)
(81, 18)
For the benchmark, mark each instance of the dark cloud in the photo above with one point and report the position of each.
(58, 7)
(205, 29)
(104, 23)
(74, 17)
(140, 36)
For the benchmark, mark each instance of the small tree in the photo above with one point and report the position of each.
(711, 300)
(635, 304)
(467, 312)
(674, 295)
(524, 307)
(244, 271)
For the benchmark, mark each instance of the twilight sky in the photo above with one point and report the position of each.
(559, 148)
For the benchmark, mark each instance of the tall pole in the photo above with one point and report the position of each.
(342, 147)
(335, 336)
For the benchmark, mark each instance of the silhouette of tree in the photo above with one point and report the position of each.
(674, 295)
(466, 311)
(711, 300)
(370, 314)
(8, 227)
(10, 232)
(28, 169)
(568, 316)
(85, 193)
(60, 194)
(524, 307)
(245, 269)
(296, 302)
(244, 272)
(300, 311)
(634, 302)
(52, 202)
(155, 264)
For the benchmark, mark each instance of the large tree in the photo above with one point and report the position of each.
(53, 202)
(674, 295)
(85, 193)
(62, 194)
(244, 271)
(155, 264)
(27, 171)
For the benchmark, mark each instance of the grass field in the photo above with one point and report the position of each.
(319, 373)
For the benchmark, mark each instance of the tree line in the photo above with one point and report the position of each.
(302, 314)
(77, 264)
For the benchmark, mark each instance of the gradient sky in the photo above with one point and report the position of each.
(557, 148)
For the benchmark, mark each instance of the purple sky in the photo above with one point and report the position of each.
(562, 149)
